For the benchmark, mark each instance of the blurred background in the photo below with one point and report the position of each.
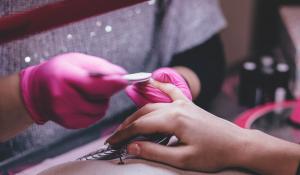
(254, 31)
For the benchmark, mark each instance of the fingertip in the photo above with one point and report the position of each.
(113, 83)
(170, 89)
(108, 78)
(119, 79)
(138, 99)
(129, 90)
(162, 86)
(121, 71)
(109, 140)
(118, 136)
(113, 139)
(162, 74)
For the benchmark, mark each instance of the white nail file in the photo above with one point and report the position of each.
(138, 77)
(131, 78)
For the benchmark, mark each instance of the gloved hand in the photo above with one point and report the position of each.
(62, 89)
(144, 93)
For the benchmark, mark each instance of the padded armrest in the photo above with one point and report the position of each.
(53, 15)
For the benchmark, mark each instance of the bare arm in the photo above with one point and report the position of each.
(268, 155)
(13, 115)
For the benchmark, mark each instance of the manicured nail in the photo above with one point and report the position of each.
(107, 141)
(134, 149)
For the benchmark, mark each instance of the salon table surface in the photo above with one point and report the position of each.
(66, 164)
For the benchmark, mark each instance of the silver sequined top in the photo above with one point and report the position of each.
(127, 37)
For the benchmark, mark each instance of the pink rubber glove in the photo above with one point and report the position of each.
(144, 93)
(62, 89)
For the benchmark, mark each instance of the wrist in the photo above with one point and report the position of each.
(265, 154)
(17, 97)
(13, 115)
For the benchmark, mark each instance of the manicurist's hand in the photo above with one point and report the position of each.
(67, 90)
(144, 93)
(206, 142)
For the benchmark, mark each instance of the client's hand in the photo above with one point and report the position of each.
(201, 146)
(64, 91)
(206, 142)
(144, 93)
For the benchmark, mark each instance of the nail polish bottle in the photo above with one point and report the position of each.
(248, 84)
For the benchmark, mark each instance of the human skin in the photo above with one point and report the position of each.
(206, 142)
(13, 116)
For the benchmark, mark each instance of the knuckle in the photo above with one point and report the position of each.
(181, 103)
(179, 123)
(178, 119)
(175, 113)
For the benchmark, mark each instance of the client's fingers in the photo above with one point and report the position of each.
(154, 122)
(141, 112)
(170, 89)
(159, 153)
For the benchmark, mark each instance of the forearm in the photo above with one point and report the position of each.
(269, 155)
(192, 79)
(13, 115)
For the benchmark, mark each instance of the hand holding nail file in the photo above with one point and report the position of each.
(62, 89)
(65, 89)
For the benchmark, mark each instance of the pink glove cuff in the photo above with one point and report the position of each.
(25, 80)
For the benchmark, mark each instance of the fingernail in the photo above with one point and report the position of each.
(134, 149)
(107, 141)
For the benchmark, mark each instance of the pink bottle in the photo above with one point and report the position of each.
(295, 117)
